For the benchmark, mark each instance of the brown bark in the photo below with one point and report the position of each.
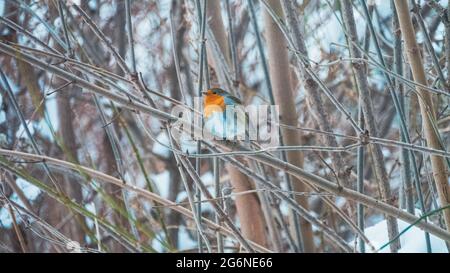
(68, 143)
(248, 206)
(320, 114)
(369, 118)
(281, 84)
(427, 110)
(110, 167)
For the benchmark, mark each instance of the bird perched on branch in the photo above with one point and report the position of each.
(224, 115)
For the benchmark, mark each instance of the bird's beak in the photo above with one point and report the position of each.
(205, 93)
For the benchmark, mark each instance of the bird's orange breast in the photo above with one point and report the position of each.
(213, 103)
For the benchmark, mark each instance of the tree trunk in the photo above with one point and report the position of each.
(375, 150)
(426, 106)
(284, 96)
(248, 206)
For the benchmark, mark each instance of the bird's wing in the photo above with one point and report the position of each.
(232, 100)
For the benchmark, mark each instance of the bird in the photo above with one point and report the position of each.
(217, 122)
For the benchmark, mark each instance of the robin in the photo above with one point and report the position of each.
(219, 108)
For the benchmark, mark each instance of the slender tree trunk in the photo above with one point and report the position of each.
(173, 218)
(426, 106)
(71, 187)
(407, 185)
(283, 93)
(110, 167)
(74, 227)
(111, 164)
(447, 42)
(313, 94)
(363, 87)
(248, 206)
